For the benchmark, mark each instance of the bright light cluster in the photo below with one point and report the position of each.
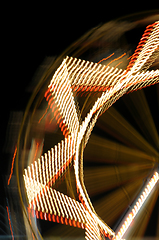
(60, 99)
(95, 77)
(147, 49)
(52, 205)
(54, 163)
(72, 76)
(137, 206)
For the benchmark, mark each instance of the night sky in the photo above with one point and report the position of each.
(35, 33)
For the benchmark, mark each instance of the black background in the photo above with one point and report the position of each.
(32, 33)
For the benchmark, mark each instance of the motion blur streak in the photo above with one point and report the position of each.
(43, 114)
(10, 223)
(105, 58)
(124, 131)
(143, 112)
(147, 47)
(142, 198)
(113, 176)
(12, 165)
(115, 152)
(116, 202)
(117, 58)
(139, 225)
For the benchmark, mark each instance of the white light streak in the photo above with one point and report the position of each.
(137, 206)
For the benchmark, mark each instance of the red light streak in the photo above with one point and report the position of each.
(43, 114)
(15, 152)
(116, 59)
(118, 64)
(29, 213)
(10, 223)
(105, 58)
(36, 150)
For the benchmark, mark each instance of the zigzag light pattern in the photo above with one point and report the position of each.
(72, 76)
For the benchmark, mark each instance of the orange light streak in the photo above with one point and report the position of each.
(43, 114)
(118, 64)
(15, 152)
(10, 223)
(146, 47)
(51, 120)
(29, 212)
(105, 58)
(36, 150)
(115, 59)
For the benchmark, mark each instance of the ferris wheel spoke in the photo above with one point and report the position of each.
(115, 124)
(116, 202)
(107, 151)
(140, 112)
(102, 179)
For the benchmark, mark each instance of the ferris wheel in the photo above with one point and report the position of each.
(76, 95)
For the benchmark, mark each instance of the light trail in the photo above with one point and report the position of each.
(103, 59)
(116, 59)
(15, 152)
(144, 53)
(142, 111)
(43, 114)
(123, 130)
(10, 225)
(142, 198)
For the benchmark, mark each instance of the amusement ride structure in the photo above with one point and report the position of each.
(108, 84)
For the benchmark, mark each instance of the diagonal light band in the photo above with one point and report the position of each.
(141, 199)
